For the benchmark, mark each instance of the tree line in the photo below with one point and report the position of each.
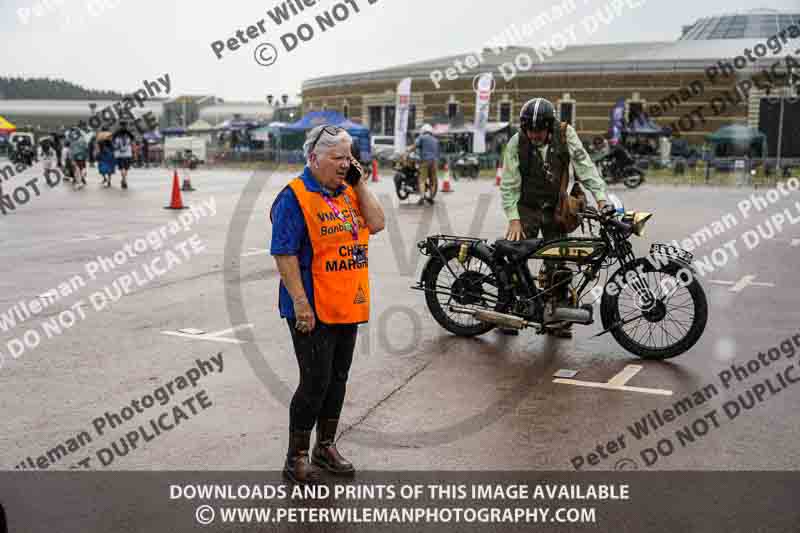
(50, 89)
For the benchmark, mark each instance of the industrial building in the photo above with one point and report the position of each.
(667, 80)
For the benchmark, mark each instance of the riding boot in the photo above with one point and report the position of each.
(325, 453)
(297, 468)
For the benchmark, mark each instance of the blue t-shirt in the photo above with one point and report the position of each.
(290, 237)
(427, 147)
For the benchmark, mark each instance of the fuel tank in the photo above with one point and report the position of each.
(575, 250)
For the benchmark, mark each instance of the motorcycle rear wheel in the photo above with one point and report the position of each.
(681, 303)
(474, 286)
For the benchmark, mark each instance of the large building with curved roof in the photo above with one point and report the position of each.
(684, 84)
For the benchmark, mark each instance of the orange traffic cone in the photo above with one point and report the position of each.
(375, 176)
(177, 200)
(446, 187)
(499, 176)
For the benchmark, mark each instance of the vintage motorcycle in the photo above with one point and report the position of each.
(653, 306)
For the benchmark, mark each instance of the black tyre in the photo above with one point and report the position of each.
(669, 326)
(633, 177)
(472, 284)
(402, 193)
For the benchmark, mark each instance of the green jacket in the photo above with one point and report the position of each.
(585, 171)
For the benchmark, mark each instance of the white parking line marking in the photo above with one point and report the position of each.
(217, 336)
(617, 382)
(86, 237)
(625, 376)
(566, 373)
(256, 251)
(739, 286)
(94, 237)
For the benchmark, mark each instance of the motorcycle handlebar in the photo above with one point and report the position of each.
(607, 219)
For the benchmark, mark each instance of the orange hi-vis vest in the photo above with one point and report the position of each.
(341, 285)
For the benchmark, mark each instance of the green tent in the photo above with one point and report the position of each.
(736, 140)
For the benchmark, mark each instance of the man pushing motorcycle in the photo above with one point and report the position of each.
(534, 161)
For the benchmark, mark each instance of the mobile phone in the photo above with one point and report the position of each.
(355, 173)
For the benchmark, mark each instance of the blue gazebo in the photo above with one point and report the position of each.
(333, 118)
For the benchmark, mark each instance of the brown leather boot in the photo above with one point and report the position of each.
(297, 468)
(325, 454)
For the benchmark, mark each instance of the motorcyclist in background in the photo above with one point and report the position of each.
(427, 147)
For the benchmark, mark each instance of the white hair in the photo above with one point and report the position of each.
(326, 142)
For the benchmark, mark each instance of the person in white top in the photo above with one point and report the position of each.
(122, 140)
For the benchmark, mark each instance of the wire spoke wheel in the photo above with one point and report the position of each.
(659, 313)
(471, 284)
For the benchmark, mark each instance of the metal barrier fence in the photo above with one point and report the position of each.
(719, 171)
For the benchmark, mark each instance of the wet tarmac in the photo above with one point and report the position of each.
(418, 397)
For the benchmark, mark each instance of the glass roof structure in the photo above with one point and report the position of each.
(757, 24)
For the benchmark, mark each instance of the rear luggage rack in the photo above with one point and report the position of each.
(429, 246)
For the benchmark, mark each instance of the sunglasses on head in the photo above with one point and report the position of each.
(330, 130)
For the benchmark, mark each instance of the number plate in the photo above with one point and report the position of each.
(671, 251)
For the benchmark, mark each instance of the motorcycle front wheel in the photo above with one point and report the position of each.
(402, 193)
(633, 177)
(665, 327)
(471, 284)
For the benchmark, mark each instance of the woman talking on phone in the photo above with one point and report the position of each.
(321, 223)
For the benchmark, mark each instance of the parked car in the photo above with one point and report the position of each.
(382, 146)
(175, 148)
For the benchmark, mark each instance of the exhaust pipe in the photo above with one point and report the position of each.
(493, 317)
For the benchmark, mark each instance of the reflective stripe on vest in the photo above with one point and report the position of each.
(341, 287)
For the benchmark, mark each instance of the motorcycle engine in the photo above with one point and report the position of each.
(564, 295)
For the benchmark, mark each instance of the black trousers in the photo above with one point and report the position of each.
(324, 357)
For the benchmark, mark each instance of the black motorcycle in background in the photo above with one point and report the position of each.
(23, 153)
(618, 166)
(406, 174)
(466, 165)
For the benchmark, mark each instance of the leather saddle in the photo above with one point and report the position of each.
(517, 250)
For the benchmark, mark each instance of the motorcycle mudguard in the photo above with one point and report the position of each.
(453, 245)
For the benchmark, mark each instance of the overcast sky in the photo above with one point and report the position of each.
(115, 44)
